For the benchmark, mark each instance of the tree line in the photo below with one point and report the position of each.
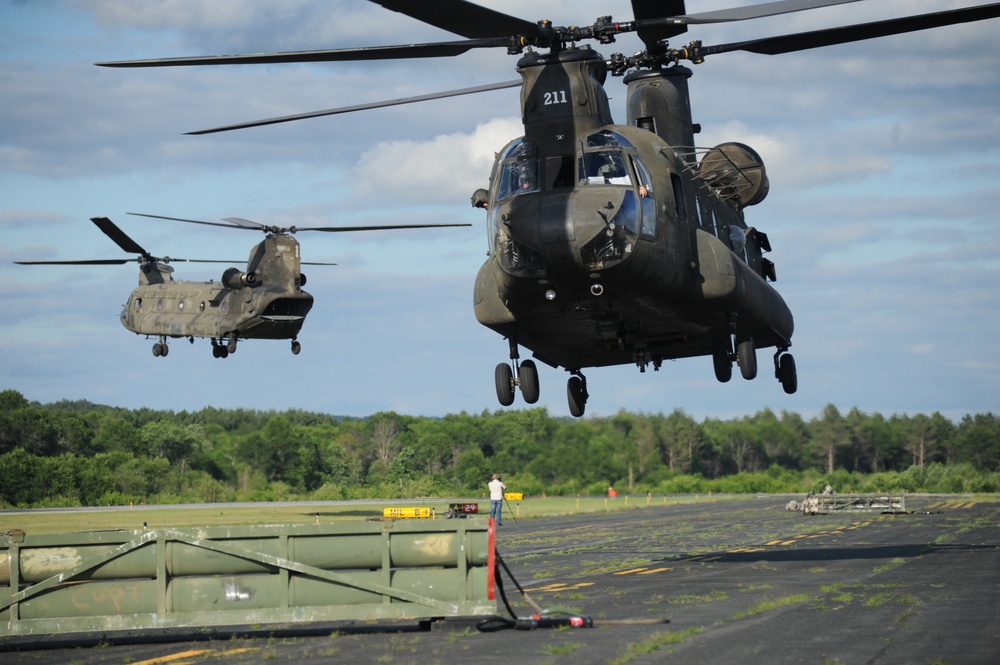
(80, 453)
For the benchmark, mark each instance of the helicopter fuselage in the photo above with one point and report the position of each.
(612, 244)
(602, 274)
(266, 301)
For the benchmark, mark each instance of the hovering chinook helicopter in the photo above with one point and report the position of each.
(614, 244)
(265, 301)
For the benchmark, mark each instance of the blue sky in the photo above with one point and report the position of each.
(883, 158)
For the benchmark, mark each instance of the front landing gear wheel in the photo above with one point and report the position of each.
(746, 357)
(784, 369)
(527, 376)
(160, 350)
(576, 394)
(504, 378)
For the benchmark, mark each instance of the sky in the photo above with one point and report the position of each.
(883, 158)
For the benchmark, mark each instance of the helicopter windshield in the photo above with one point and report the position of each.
(518, 177)
(604, 167)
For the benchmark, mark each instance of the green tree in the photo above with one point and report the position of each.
(830, 436)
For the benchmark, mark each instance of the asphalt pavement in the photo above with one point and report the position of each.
(734, 580)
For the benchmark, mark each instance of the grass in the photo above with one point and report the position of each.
(245, 514)
(655, 643)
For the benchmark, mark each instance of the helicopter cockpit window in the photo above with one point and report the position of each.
(609, 139)
(517, 148)
(517, 177)
(604, 167)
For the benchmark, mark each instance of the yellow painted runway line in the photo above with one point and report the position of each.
(630, 572)
(172, 658)
(654, 570)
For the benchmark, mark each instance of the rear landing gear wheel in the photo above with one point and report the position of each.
(576, 394)
(784, 369)
(160, 349)
(722, 359)
(296, 348)
(527, 376)
(504, 379)
(231, 345)
(746, 357)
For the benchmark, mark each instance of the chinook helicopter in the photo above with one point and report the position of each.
(264, 301)
(613, 244)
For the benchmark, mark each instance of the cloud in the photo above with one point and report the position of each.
(444, 168)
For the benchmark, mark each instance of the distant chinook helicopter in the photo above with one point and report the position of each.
(265, 301)
(614, 244)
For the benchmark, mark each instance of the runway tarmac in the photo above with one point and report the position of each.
(741, 580)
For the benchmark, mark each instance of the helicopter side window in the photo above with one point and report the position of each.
(679, 206)
(646, 200)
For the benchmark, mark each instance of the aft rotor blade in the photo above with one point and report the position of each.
(119, 236)
(433, 50)
(852, 33)
(92, 262)
(756, 11)
(361, 107)
(463, 18)
(649, 23)
(338, 229)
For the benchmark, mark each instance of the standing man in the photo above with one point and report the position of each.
(496, 498)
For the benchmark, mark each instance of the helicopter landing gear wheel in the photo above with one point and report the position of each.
(504, 378)
(576, 394)
(746, 357)
(160, 349)
(784, 370)
(722, 359)
(218, 350)
(296, 347)
(527, 377)
(231, 344)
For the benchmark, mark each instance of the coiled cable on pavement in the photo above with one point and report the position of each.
(552, 618)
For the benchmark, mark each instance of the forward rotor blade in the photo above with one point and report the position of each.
(121, 239)
(170, 259)
(339, 229)
(92, 262)
(361, 107)
(434, 50)
(463, 18)
(259, 227)
(316, 263)
(852, 33)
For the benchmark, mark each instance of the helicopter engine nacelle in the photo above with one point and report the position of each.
(736, 172)
(234, 278)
